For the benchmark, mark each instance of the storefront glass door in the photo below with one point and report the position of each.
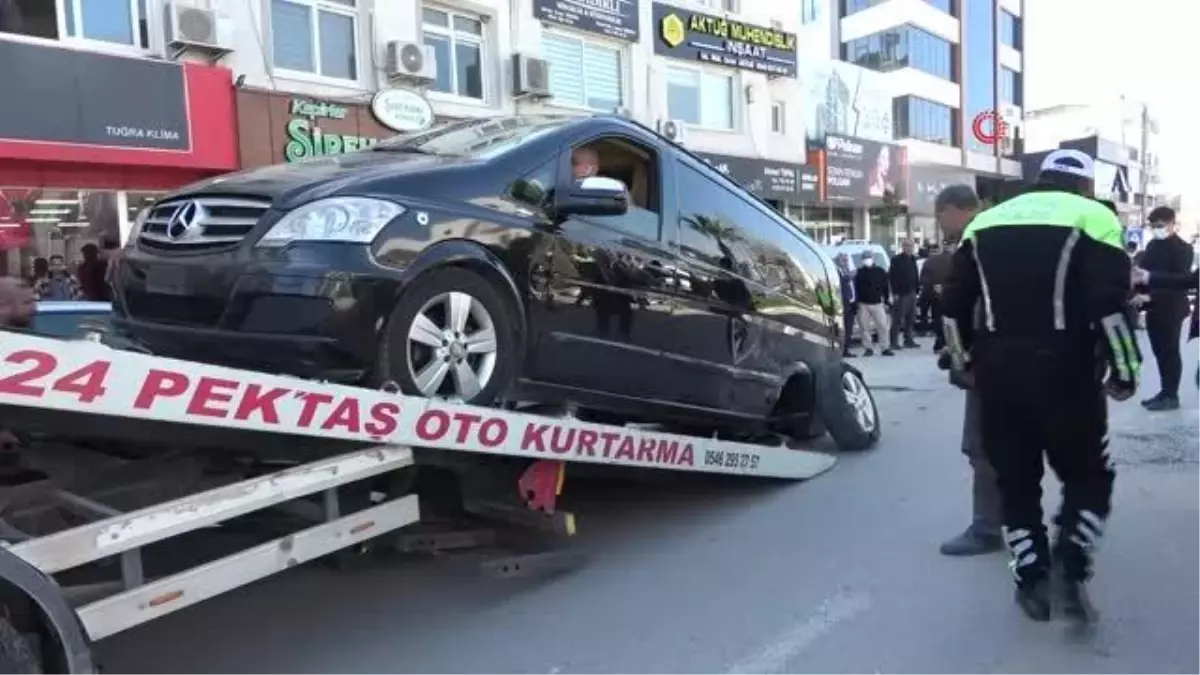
(73, 232)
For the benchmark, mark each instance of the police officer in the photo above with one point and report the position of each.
(1051, 270)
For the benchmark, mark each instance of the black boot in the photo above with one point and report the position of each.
(1034, 600)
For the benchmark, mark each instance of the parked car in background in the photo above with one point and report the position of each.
(854, 248)
(71, 320)
(474, 262)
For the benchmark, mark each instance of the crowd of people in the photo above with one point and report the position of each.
(892, 307)
(54, 279)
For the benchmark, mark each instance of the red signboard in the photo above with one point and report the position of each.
(114, 122)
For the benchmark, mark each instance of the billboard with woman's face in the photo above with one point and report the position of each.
(860, 172)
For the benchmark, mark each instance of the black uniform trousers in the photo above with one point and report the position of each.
(1046, 400)
(1164, 327)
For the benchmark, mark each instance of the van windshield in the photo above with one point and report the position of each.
(482, 138)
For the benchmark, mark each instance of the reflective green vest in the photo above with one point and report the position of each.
(1053, 209)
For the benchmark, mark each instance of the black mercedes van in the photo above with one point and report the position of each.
(475, 261)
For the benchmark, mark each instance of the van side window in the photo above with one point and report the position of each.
(637, 167)
(719, 227)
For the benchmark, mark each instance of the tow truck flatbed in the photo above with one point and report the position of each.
(377, 432)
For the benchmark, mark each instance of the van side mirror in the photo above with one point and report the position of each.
(592, 196)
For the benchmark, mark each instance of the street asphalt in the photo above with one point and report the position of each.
(837, 574)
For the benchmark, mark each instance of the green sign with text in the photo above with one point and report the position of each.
(307, 139)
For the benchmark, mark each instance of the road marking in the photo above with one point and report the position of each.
(775, 655)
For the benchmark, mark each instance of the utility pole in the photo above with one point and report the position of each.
(1144, 179)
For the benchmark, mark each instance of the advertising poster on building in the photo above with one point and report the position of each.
(696, 36)
(610, 18)
(846, 100)
(87, 98)
(767, 178)
(860, 172)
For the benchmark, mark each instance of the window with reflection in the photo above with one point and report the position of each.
(903, 47)
(722, 229)
(925, 120)
(1010, 30)
(1010, 87)
(60, 241)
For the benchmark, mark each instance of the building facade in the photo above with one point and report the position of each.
(955, 70)
(1129, 124)
(198, 87)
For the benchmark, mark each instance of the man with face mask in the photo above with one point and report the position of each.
(873, 293)
(1167, 255)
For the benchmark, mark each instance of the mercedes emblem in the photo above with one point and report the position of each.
(182, 220)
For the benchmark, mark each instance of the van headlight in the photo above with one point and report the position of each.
(353, 220)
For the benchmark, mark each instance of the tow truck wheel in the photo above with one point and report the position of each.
(848, 408)
(17, 654)
(450, 336)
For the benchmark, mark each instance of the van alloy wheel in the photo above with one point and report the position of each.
(451, 346)
(860, 401)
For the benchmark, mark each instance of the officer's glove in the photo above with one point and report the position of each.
(1118, 389)
(943, 358)
(963, 379)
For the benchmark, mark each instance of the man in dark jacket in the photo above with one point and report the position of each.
(955, 207)
(871, 289)
(902, 276)
(849, 301)
(1169, 255)
(932, 278)
(1176, 282)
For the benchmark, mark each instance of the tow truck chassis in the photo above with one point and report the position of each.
(50, 612)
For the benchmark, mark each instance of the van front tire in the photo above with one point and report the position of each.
(848, 408)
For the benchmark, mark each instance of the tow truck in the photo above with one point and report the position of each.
(133, 451)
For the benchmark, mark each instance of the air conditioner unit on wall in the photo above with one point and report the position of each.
(410, 61)
(531, 76)
(193, 25)
(672, 130)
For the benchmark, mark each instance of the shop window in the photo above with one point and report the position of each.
(700, 97)
(584, 74)
(316, 37)
(77, 230)
(458, 42)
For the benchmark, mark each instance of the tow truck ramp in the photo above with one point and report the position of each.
(91, 379)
